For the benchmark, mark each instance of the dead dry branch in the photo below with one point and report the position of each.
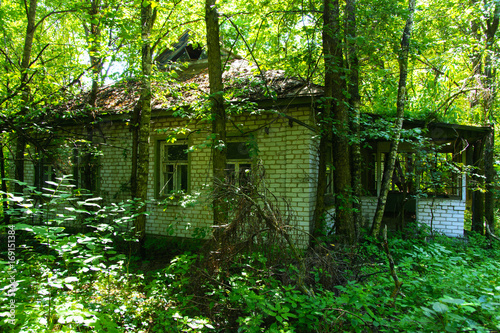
(257, 221)
(392, 266)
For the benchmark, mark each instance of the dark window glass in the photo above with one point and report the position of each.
(177, 153)
(237, 151)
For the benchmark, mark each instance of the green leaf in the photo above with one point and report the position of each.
(452, 300)
(71, 279)
(427, 312)
(439, 307)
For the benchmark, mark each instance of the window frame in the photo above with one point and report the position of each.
(160, 172)
(417, 167)
(235, 175)
(45, 172)
(78, 159)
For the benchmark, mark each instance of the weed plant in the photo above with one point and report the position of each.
(79, 282)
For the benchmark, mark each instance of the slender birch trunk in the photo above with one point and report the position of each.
(401, 102)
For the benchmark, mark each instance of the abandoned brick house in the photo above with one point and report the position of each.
(277, 114)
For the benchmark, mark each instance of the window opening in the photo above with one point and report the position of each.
(440, 174)
(44, 172)
(238, 166)
(78, 165)
(417, 172)
(174, 168)
(329, 191)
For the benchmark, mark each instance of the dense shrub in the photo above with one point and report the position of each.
(77, 282)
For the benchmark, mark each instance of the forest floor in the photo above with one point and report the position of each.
(82, 283)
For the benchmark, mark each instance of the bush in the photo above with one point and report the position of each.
(79, 281)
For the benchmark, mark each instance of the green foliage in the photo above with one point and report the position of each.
(80, 282)
(448, 286)
(64, 281)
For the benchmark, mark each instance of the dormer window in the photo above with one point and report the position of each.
(182, 51)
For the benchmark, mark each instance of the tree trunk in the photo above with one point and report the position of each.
(478, 196)
(217, 110)
(489, 147)
(489, 172)
(335, 88)
(25, 64)
(148, 16)
(389, 168)
(354, 103)
(325, 124)
(134, 128)
(492, 24)
(89, 160)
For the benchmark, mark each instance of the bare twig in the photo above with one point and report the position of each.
(256, 211)
(397, 282)
(491, 234)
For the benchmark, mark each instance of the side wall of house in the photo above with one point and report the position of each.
(285, 150)
(444, 215)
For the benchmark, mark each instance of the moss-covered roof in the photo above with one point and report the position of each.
(190, 84)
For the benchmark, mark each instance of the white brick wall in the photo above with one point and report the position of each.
(445, 215)
(285, 152)
(368, 207)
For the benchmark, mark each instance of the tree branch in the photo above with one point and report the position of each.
(38, 55)
(8, 58)
(53, 13)
(392, 267)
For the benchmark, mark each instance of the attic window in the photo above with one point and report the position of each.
(183, 50)
(187, 53)
(194, 53)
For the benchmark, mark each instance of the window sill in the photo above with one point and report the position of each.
(170, 200)
(183, 200)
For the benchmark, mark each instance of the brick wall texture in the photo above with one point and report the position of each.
(444, 215)
(287, 151)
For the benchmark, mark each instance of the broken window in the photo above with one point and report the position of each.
(174, 168)
(440, 174)
(44, 172)
(84, 166)
(239, 164)
(44, 169)
(403, 176)
(420, 172)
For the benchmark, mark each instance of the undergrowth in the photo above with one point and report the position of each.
(80, 283)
